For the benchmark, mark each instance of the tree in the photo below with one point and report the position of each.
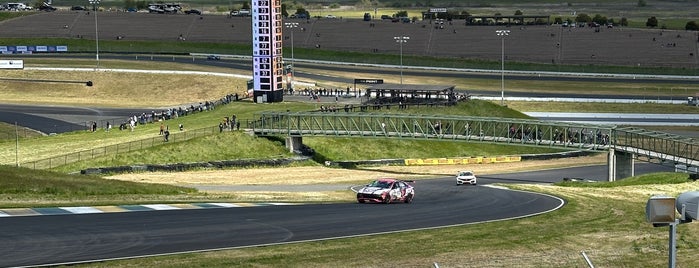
(401, 13)
(558, 20)
(301, 10)
(599, 19)
(652, 22)
(641, 3)
(519, 13)
(691, 26)
(246, 5)
(624, 22)
(582, 17)
(285, 12)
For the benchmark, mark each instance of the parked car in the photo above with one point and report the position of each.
(466, 176)
(386, 17)
(330, 16)
(386, 190)
(213, 57)
(46, 7)
(192, 11)
(77, 8)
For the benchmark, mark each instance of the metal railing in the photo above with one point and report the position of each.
(657, 145)
(464, 128)
(644, 144)
(115, 149)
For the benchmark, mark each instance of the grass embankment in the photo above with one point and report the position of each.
(22, 187)
(66, 143)
(605, 220)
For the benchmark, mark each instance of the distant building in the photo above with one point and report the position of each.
(268, 69)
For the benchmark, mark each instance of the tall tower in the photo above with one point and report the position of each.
(268, 69)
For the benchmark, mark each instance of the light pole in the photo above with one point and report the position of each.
(94, 4)
(291, 26)
(502, 34)
(401, 40)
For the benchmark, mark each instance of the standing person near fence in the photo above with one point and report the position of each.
(167, 133)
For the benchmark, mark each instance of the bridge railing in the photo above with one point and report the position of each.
(476, 129)
(659, 145)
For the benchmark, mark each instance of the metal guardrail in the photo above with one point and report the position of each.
(115, 149)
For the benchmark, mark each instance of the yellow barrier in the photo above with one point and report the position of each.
(462, 161)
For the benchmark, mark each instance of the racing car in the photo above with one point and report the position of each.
(466, 176)
(386, 190)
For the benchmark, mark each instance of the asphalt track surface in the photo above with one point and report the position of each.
(62, 239)
(60, 119)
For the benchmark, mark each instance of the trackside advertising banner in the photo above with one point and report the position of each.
(11, 64)
(32, 49)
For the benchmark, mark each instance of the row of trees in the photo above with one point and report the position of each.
(652, 22)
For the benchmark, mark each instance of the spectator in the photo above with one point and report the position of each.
(167, 135)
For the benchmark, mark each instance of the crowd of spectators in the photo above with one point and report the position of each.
(167, 114)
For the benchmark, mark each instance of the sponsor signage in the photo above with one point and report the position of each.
(11, 64)
(438, 10)
(31, 49)
(368, 81)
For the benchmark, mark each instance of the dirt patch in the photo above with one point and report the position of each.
(325, 175)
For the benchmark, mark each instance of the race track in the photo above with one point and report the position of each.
(50, 240)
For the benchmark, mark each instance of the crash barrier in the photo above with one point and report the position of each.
(462, 161)
(458, 160)
(116, 149)
(274, 162)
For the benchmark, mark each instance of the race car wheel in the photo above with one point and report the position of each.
(387, 199)
(408, 199)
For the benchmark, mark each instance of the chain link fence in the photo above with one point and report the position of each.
(115, 149)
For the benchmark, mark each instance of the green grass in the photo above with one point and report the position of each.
(651, 108)
(10, 132)
(224, 146)
(343, 149)
(664, 178)
(56, 145)
(22, 187)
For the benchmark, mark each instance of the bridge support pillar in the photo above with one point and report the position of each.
(621, 165)
(294, 143)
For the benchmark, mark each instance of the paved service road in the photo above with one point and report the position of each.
(37, 240)
(59, 119)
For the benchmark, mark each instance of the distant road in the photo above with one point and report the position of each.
(59, 119)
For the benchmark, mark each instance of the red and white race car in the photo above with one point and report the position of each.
(386, 190)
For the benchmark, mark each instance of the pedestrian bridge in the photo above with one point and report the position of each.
(624, 144)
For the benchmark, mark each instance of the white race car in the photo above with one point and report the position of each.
(386, 191)
(466, 177)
